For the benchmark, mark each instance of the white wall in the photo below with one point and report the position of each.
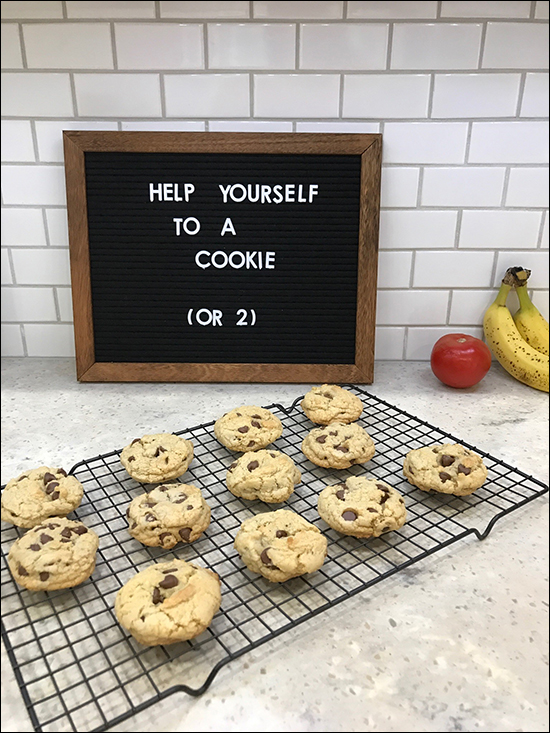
(458, 89)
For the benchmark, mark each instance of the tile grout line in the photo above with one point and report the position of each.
(482, 45)
(46, 227)
(113, 46)
(56, 304)
(541, 229)
(521, 94)
(23, 339)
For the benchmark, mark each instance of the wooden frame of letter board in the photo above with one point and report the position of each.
(368, 146)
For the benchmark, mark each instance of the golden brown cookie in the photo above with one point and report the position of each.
(157, 458)
(331, 403)
(338, 445)
(448, 468)
(247, 428)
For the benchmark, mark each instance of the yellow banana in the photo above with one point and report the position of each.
(520, 359)
(531, 324)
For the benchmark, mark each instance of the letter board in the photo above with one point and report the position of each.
(223, 257)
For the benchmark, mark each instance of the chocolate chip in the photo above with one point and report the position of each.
(281, 533)
(35, 547)
(64, 540)
(170, 570)
(256, 424)
(180, 499)
(160, 450)
(128, 510)
(370, 509)
(66, 532)
(157, 598)
(48, 477)
(61, 471)
(341, 494)
(134, 525)
(150, 517)
(131, 458)
(21, 570)
(149, 502)
(464, 469)
(45, 538)
(189, 507)
(273, 455)
(233, 466)
(164, 535)
(328, 395)
(446, 460)
(349, 516)
(321, 438)
(22, 477)
(185, 533)
(252, 465)
(342, 448)
(251, 443)
(54, 496)
(52, 526)
(264, 557)
(259, 417)
(411, 470)
(444, 477)
(135, 440)
(243, 429)
(81, 529)
(170, 581)
(386, 528)
(44, 576)
(335, 432)
(239, 414)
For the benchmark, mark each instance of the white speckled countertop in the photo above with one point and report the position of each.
(458, 641)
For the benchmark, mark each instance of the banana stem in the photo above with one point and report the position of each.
(516, 277)
(503, 294)
(524, 300)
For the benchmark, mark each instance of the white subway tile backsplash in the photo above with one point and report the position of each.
(353, 127)
(353, 46)
(49, 135)
(544, 236)
(469, 186)
(164, 126)
(68, 46)
(28, 304)
(540, 299)
(417, 229)
(17, 144)
(516, 46)
(537, 262)
(251, 46)
(33, 94)
(399, 187)
(296, 95)
(46, 266)
(541, 10)
(500, 229)
(205, 9)
(12, 343)
(207, 95)
(33, 184)
(58, 231)
(111, 9)
(509, 142)
(7, 278)
(11, 47)
(468, 306)
(49, 339)
(528, 187)
(22, 227)
(475, 95)
(535, 96)
(394, 269)
(65, 302)
(168, 45)
(411, 307)
(385, 96)
(298, 10)
(488, 9)
(388, 343)
(436, 46)
(425, 142)
(392, 10)
(420, 342)
(31, 9)
(118, 95)
(249, 126)
(453, 269)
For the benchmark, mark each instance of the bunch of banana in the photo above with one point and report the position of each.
(519, 342)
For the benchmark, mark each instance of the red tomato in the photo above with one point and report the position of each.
(459, 360)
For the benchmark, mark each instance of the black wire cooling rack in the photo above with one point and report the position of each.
(79, 670)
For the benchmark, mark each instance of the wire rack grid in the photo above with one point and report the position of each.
(79, 670)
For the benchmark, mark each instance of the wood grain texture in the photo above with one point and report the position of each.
(368, 146)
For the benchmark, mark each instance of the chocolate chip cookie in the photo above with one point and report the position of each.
(362, 507)
(167, 515)
(330, 403)
(168, 602)
(38, 494)
(268, 475)
(338, 445)
(280, 545)
(247, 428)
(448, 469)
(55, 554)
(156, 458)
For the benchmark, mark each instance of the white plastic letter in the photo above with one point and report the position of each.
(270, 260)
(224, 192)
(188, 189)
(198, 262)
(178, 226)
(228, 227)
(313, 191)
(193, 221)
(155, 190)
